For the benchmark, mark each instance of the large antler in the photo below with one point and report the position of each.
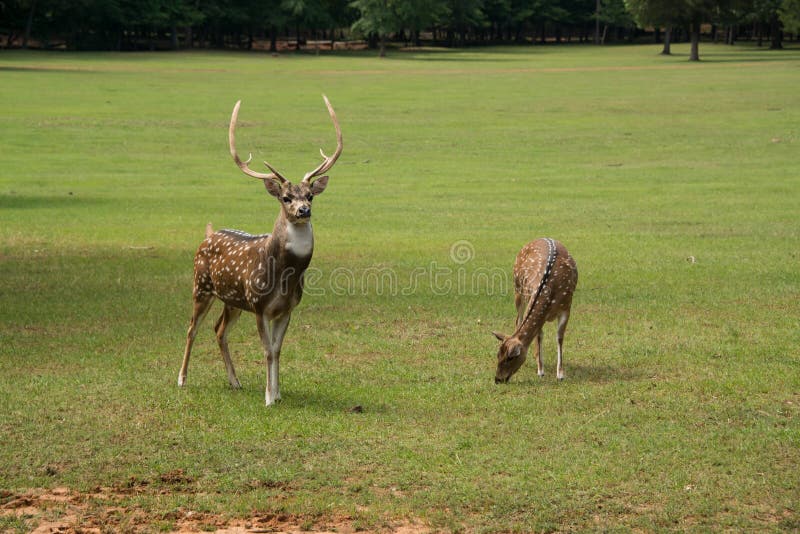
(243, 164)
(327, 161)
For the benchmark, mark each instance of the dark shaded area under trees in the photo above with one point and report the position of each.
(239, 24)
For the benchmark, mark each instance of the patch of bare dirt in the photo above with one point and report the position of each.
(63, 511)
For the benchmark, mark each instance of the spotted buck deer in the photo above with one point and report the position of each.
(262, 274)
(545, 276)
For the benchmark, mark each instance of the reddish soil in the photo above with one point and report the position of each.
(64, 511)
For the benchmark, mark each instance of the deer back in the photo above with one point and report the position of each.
(545, 276)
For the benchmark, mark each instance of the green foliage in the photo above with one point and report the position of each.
(129, 24)
(651, 12)
(789, 11)
(680, 409)
(376, 16)
(614, 13)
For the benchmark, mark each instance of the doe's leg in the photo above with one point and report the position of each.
(201, 306)
(562, 327)
(539, 366)
(227, 319)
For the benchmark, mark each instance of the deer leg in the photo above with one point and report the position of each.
(278, 328)
(267, 330)
(562, 327)
(201, 306)
(264, 333)
(227, 319)
(539, 366)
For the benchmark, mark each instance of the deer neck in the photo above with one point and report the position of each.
(296, 239)
(530, 328)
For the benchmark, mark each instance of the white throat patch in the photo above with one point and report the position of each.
(299, 239)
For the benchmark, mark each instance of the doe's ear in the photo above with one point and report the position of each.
(515, 352)
(499, 336)
(319, 185)
(273, 187)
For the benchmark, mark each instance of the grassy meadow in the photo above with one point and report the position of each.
(674, 185)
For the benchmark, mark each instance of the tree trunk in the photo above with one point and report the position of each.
(273, 39)
(174, 36)
(597, 23)
(667, 51)
(695, 31)
(28, 25)
(382, 52)
(775, 33)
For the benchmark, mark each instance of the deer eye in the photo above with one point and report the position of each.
(287, 199)
(310, 197)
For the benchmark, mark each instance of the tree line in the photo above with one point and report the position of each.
(158, 24)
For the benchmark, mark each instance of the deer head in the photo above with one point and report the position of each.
(510, 357)
(295, 199)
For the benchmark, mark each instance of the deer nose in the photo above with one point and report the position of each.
(304, 211)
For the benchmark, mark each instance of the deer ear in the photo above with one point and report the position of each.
(319, 185)
(499, 336)
(273, 187)
(515, 352)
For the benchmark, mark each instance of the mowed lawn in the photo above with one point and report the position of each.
(675, 186)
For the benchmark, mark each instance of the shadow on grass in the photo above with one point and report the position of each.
(297, 398)
(747, 53)
(595, 374)
(45, 68)
(348, 402)
(20, 202)
(483, 55)
(603, 374)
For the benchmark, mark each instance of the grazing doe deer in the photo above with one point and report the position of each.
(262, 274)
(545, 276)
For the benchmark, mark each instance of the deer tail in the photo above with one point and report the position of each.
(209, 230)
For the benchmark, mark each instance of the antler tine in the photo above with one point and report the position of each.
(328, 161)
(243, 164)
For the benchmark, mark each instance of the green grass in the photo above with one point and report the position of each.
(674, 185)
